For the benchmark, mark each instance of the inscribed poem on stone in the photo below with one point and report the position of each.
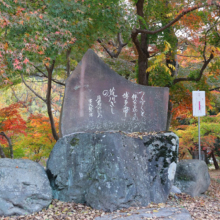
(98, 99)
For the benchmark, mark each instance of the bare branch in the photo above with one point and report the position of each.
(68, 62)
(216, 88)
(18, 100)
(44, 75)
(44, 100)
(114, 54)
(106, 49)
(188, 56)
(184, 12)
(200, 73)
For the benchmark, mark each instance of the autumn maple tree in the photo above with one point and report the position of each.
(209, 131)
(11, 124)
(39, 141)
(38, 37)
(166, 33)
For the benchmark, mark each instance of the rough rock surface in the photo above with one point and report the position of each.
(24, 187)
(163, 213)
(192, 177)
(110, 171)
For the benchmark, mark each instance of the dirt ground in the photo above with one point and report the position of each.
(215, 174)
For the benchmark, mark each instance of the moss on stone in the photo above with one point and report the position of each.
(74, 142)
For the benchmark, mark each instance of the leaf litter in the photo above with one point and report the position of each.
(206, 206)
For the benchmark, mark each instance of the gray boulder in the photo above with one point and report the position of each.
(174, 190)
(24, 187)
(192, 177)
(110, 171)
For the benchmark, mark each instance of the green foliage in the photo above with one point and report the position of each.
(160, 77)
(122, 67)
(38, 32)
(209, 131)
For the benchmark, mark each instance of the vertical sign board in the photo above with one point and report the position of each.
(199, 110)
(199, 103)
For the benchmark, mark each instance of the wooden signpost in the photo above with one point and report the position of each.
(199, 110)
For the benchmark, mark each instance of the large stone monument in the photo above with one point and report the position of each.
(98, 99)
(111, 170)
(97, 161)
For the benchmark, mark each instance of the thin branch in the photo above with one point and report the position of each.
(200, 74)
(6, 31)
(44, 75)
(203, 54)
(119, 48)
(18, 100)
(106, 49)
(50, 69)
(68, 62)
(216, 88)
(44, 100)
(153, 55)
(184, 12)
(188, 56)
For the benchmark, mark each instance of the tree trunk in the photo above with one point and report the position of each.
(142, 67)
(9, 143)
(2, 154)
(68, 62)
(169, 114)
(48, 101)
(215, 161)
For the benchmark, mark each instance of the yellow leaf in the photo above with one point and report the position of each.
(167, 69)
(168, 15)
(171, 66)
(155, 210)
(149, 69)
(161, 204)
(167, 44)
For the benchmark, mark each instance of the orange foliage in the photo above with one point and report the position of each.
(39, 140)
(11, 121)
(208, 142)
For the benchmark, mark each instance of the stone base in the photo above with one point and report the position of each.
(111, 171)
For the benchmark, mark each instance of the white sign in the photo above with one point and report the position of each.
(199, 103)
